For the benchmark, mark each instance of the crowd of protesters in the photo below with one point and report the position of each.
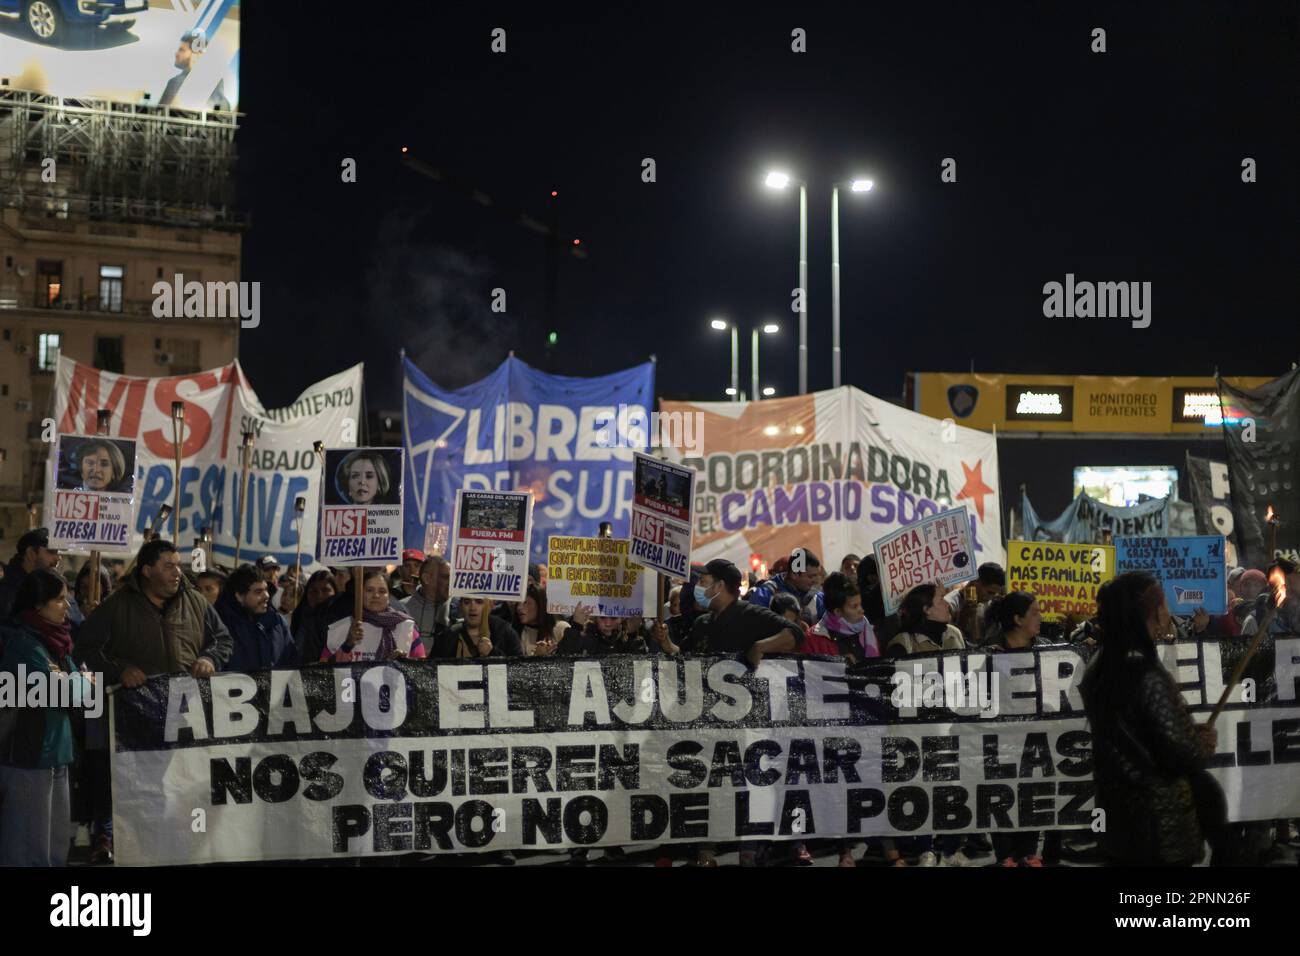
(154, 617)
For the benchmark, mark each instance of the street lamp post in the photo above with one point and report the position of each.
(779, 180)
(835, 286)
(769, 328)
(735, 363)
(722, 325)
(858, 186)
(803, 289)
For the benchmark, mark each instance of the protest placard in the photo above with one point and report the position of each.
(598, 574)
(1063, 577)
(1191, 570)
(935, 549)
(489, 554)
(361, 510)
(661, 516)
(93, 493)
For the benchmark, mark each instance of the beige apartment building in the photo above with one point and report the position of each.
(79, 258)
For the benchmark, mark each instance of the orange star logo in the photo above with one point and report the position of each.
(975, 487)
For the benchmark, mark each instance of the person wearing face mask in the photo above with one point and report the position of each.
(843, 630)
(1149, 755)
(732, 626)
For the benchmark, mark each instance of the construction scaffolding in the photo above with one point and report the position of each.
(117, 162)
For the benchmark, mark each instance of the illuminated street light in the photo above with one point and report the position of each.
(779, 180)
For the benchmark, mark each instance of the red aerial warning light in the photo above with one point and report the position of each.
(554, 194)
(577, 242)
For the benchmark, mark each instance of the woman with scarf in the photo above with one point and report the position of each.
(36, 742)
(844, 629)
(382, 634)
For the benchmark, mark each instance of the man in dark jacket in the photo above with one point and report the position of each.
(155, 623)
(260, 637)
(33, 552)
(463, 639)
(732, 626)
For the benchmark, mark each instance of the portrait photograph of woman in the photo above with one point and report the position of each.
(364, 476)
(103, 465)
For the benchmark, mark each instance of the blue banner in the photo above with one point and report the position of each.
(567, 440)
(1087, 519)
(1190, 570)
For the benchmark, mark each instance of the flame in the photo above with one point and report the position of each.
(1278, 580)
(1269, 517)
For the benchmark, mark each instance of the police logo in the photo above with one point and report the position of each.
(962, 399)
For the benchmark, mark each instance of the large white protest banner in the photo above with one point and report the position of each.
(219, 406)
(832, 471)
(451, 756)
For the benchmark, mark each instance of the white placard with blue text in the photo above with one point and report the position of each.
(92, 493)
(361, 507)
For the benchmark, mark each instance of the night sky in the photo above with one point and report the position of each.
(1122, 166)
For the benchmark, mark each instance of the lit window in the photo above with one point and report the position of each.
(47, 350)
(110, 288)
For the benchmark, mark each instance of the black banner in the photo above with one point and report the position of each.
(1261, 428)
